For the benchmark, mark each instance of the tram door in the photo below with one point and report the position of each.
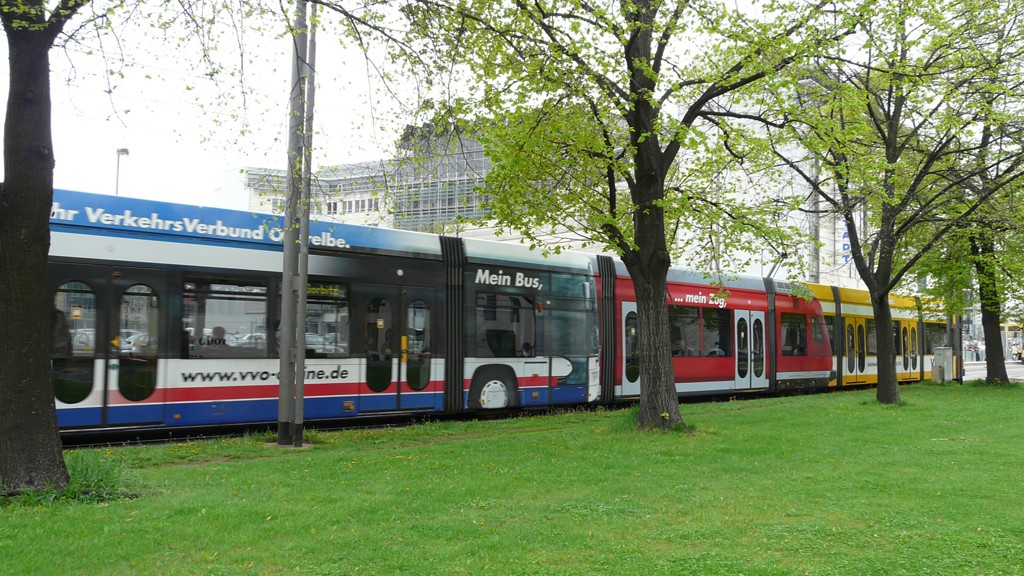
(630, 354)
(855, 362)
(398, 335)
(107, 328)
(749, 335)
(907, 362)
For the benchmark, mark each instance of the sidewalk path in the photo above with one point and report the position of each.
(978, 370)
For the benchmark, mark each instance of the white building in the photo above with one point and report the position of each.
(419, 190)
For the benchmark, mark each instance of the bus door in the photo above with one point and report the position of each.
(630, 352)
(112, 322)
(416, 389)
(398, 333)
(907, 363)
(855, 362)
(749, 339)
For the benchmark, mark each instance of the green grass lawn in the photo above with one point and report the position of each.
(825, 484)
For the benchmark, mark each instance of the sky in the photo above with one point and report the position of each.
(187, 136)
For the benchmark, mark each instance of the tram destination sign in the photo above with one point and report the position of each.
(79, 211)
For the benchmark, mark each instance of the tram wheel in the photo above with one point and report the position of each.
(492, 389)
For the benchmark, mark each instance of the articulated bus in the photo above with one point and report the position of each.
(168, 315)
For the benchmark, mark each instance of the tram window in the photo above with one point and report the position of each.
(817, 332)
(871, 345)
(716, 337)
(488, 306)
(76, 302)
(571, 333)
(861, 354)
(684, 330)
(73, 341)
(140, 319)
(379, 322)
(566, 285)
(224, 319)
(757, 348)
(830, 329)
(905, 334)
(417, 326)
(913, 348)
(794, 334)
(327, 321)
(851, 349)
(513, 309)
(629, 345)
(505, 326)
(742, 364)
(935, 336)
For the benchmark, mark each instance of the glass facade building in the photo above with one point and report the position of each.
(429, 183)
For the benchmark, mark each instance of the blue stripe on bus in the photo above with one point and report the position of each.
(240, 411)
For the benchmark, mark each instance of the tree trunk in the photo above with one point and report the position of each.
(648, 266)
(659, 402)
(988, 295)
(995, 359)
(30, 447)
(888, 390)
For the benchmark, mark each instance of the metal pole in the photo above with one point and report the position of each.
(117, 177)
(307, 199)
(289, 304)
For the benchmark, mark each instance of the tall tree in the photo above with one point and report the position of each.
(989, 234)
(888, 119)
(30, 448)
(607, 119)
(980, 263)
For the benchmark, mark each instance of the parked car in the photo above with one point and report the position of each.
(142, 345)
(83, 341)
(314, 342)
(253, 340)
(333, 345)
(126, 338)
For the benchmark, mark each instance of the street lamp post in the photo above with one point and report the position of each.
(117, 178)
